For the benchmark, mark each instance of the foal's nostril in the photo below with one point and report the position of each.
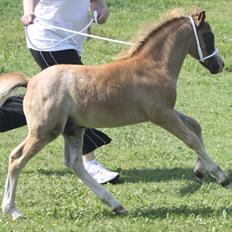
(223, 64)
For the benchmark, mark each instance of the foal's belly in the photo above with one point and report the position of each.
(102, 118)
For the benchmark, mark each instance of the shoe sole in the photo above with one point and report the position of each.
(113, 181)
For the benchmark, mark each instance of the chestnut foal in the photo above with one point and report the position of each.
(141, 87)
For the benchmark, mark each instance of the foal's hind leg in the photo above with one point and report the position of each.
(195, 127)
(171, 122)
(73, 160)
(18, 159)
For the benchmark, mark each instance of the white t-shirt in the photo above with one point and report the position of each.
(69, 14)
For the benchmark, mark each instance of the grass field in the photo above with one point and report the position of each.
(156, 183)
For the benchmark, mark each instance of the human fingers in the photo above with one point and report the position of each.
(102, 16)
(27, 19)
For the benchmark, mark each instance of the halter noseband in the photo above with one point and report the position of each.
(202, 58)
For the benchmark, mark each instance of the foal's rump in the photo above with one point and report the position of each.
(38, 102)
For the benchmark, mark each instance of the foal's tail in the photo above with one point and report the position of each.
(9, 83)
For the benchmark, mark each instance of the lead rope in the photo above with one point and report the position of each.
(74, 33)
(94, 19)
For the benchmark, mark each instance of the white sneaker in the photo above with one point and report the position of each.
(100, 173)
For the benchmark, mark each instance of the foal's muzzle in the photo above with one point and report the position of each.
(214, 64)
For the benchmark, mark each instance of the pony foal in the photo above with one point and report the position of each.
(64, 99)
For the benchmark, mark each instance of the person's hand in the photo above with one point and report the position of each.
(102, 10)
(102, 14)
(27, 19)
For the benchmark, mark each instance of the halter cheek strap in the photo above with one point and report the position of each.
(202, 58)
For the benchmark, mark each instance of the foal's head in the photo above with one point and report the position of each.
(210, 57)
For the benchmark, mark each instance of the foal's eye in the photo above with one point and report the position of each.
(209, 40)
(208, 37)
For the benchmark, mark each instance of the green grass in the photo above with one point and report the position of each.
(156, 169)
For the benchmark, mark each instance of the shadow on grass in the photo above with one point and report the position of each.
(146, 176)
(132, 175)
(157, 213)
(165, 175)
(164, 212)
(137, 175)
(46, 172)
(156, 175)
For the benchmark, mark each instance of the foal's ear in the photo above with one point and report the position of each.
(200, 18)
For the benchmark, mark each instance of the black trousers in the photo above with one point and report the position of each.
(11, 113)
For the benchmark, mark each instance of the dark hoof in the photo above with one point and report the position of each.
(198, 176)
(226, 184)
(120, 210)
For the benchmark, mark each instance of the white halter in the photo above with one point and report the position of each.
(202, 58)
(74, 33)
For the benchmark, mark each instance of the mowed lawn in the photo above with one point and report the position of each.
(156, 169)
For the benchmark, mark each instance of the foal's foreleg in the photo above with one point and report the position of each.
(171, 122)
(195, 127)
(73, 160)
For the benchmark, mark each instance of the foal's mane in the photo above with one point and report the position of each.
(149, 30)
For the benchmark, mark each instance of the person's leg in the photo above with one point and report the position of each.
(11, 114)
(93, 138)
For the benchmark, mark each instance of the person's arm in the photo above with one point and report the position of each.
(28, 7)
(101, 8)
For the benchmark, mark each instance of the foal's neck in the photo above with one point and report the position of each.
(169, 46)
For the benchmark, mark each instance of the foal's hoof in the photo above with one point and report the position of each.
(17, 216)
(226, 184)
(120, 210)
(14, 214)
(198, 176)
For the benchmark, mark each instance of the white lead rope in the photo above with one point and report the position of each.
(202, 58)
(74, 33)
(59, 42)
(87, 35)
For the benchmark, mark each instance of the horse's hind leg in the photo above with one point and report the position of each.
(73, 160)
(18, 159)
(170, 121)
(195, 127)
